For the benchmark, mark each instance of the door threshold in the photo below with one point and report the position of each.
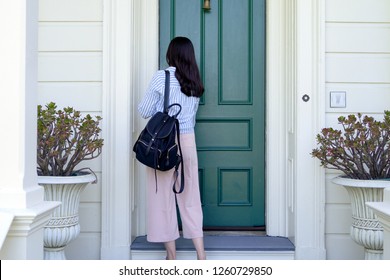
(232, 228)
(234, 233)
(219, 247)
(223, 243)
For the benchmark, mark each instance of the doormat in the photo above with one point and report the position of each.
(222, 243)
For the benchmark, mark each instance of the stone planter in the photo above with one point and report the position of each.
(365, 229)
(63, 227)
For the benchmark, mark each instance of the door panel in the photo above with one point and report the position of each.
(230, 48)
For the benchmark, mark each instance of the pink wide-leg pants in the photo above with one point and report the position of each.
(162, 225)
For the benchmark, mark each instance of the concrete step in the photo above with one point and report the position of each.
(220, 247)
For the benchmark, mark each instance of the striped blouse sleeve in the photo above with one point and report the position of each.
(148, 105)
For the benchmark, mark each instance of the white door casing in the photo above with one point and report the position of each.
(310, 118)
(295, 71)
(130, 57)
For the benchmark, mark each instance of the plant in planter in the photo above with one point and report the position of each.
(361, 151)
(64, 140)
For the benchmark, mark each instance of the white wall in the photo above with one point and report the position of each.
(357, 62)
(70, 74)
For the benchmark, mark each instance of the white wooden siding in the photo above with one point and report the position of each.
(71, 10)
(359, 11)
(357, 94)
(85, 96)
(70, 67)
(358, 68)
(70, 74)
(70, 36)
(357, 62)
(358, 37)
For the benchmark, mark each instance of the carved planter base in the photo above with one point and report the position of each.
(365, 229)
(64, 225)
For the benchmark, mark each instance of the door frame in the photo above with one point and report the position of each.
(295, 183)
(295, 197)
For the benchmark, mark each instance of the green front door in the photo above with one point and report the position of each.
(229, 41)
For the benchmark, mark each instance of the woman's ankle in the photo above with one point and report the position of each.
(171, 250)
(169, 258)
(201, 255)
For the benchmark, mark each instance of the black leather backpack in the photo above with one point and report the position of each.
(156, 146)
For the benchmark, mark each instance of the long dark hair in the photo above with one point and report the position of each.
(181, 54)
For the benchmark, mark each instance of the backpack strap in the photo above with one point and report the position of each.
(166, 92)
(166, 108)
(179, 163)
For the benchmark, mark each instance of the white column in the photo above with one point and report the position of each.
(382, 212)
(117, 79)
(20, 194)
(295, 184)
(130, 60)
(309, 193)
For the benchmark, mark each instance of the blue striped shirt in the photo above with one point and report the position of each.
(153, 101)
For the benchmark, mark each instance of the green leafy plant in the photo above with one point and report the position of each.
(65, 139)
(360, 151)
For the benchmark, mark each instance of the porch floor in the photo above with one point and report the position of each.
(220, 247)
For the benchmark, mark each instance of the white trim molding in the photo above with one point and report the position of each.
(116, 164)
(130, 57)
(24, 240)
(146, 55)
(310, 118)
(295, 67)
(276, 218)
